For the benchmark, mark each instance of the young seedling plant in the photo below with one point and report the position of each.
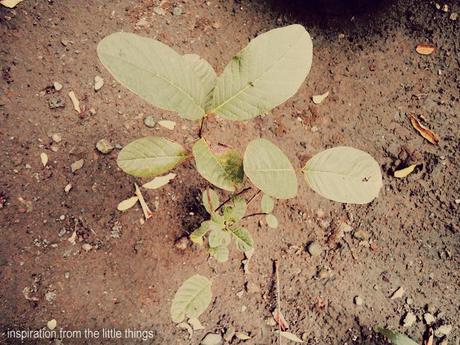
(266, 73)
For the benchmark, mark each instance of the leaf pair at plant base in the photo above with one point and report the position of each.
(344, 174)
(263, 75)
(224, 170)
(150, 156)
(222, 226)
(191, 299)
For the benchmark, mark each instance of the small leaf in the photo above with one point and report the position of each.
(404, 172)
(218, 238)
(271, 220)
(264, 74)
(195, 323)
(425, 49)
(208, 225)
(127, 204)
(267, 204)
(159, 181)
(219, 253)
(210, 200)
(344, 174)
(269, 169)
(244, 240)
(224, 170)
(424, 131)
(320, 98)
(150, 156)
(167, 124)
(236, 210)
(290, 336)
(395, 338)
(158, 74)
(44, 158)
(191, 299)
(242, 336)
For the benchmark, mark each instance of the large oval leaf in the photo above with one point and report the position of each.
(264, 74)
(224, 170)
(269, 169)
(159, 74)
(191, 299)
(344, 174)
(150, 156)
(395, 338)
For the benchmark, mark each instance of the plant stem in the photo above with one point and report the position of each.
(255, 214)
(278, 298)
(230, 198)
(201, 126)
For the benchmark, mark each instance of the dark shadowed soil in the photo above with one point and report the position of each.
(120, 274)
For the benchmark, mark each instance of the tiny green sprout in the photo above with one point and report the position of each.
(223, 226)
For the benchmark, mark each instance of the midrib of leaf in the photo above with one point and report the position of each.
(239, 238)
(252, 81)
(269, 170)
(194, 298)
(150, 158)
(160, 77)
(310, 171)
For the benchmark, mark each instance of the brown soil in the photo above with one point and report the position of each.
(364, 55)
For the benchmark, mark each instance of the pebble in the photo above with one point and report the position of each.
(67, 275)
(361, 235)
(56, 102)
(51, 324)
(212, 339)
(57, 86)
(158, 10)
(453, 16)
(104, 146)
(398, 293)
(429, 318)
(442, 331)
(314, 249)
(77, 165)
(87, 247)
(177, 11)
(149, 121)
(409, 319)
(98, 83)
(68, 187)
(57, 138)
(182, 243)
(358, 300)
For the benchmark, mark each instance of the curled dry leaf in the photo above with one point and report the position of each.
(405, 172)
(291, 337)
(424, 131)
(279, 318)
(167, 124)
(425, 49)
(128, 203)
(44, 158)
(320, 98)
(159, 181)
(75, 101)
(145, 208)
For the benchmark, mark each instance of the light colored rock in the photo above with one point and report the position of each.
(442, 331)
(98, 83)
(409, 319)
(358, 300)
(57, 86)
(149, 121)
(212, 339)
(229, 334)
(104, 146)
(314, 249)
(429, 318)
(77, 165)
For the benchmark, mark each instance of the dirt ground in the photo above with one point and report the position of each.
(364, 54)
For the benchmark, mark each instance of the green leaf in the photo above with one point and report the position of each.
(150, 156)
(267, 204)
(264, 74)
(158, 74)
(210, 200)
(344, 174)
(396, 338)
(271, 220)
(197, 235)
(236, 210)
(220, 253)
(224, 170)
(191, 299)
(218, 238)
(243, 239)
(269, 169)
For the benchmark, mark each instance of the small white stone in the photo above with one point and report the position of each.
(429, 318)
(57, 86)
(98, 83)
(358, 300)
(442, 331)
(409, 319)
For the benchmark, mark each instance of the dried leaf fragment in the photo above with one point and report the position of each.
(279, 318)
(242, 336)
(167, 124)
(425, 49)
(145, 208)
(291, 337)
(320, 98)
(127, 204)
(44, 158)
(77, 165)
(424, 131)
(10, 3)
(75, 101)
(398, 293)
(159, 181)
(405, 172)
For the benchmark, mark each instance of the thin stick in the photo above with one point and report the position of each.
(201, 127)
(230, 198)
(255, 214)
(252, 197)
(278, 299)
